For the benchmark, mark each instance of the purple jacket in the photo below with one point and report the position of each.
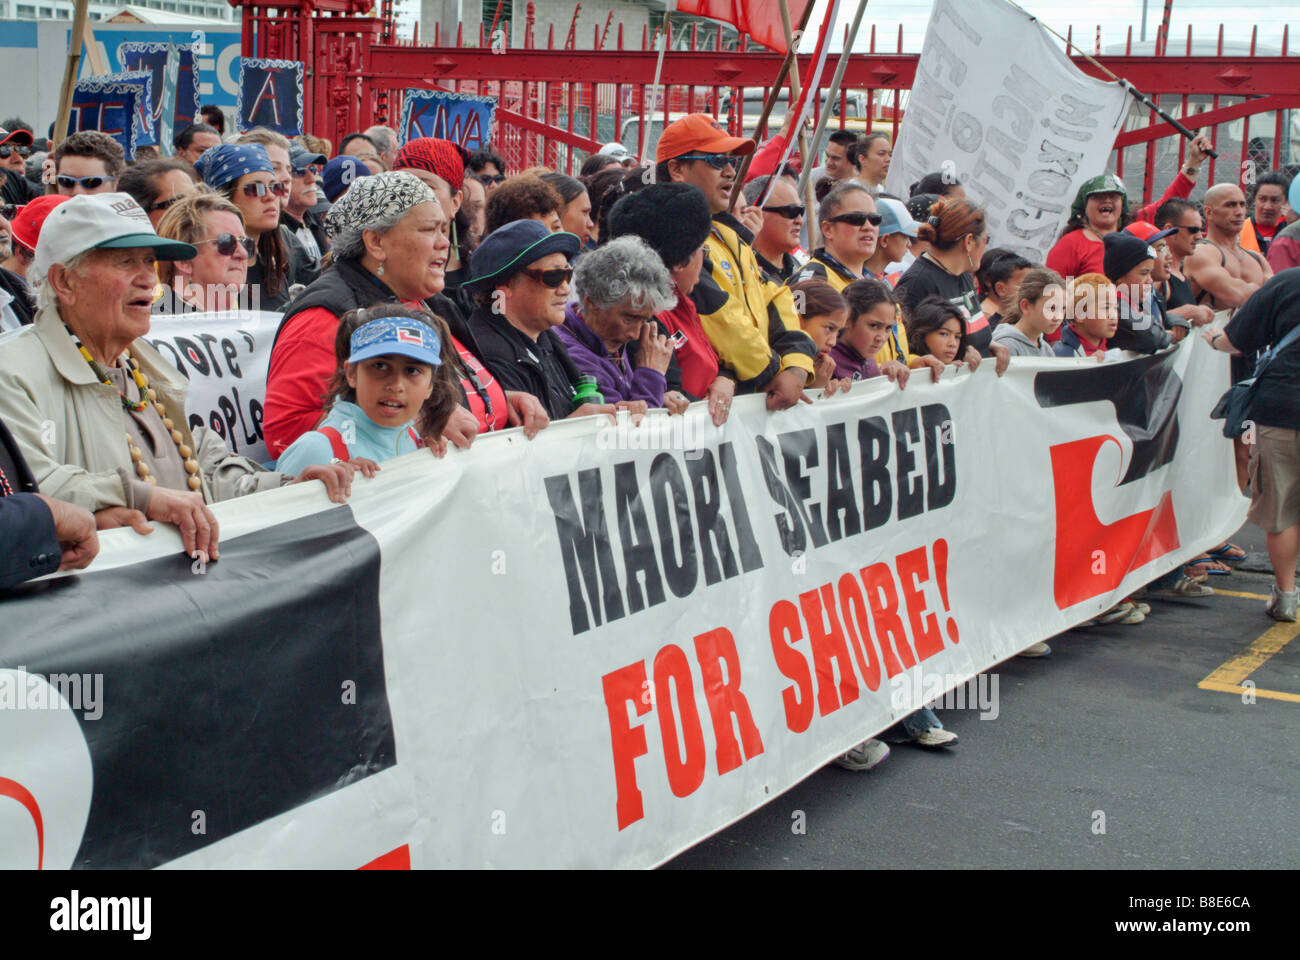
(617, 379)
(851, 364)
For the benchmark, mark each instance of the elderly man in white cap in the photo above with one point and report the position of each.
(98, 413)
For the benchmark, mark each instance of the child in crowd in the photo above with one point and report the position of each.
(1034, 315)
(822, 315)
(997, 279)
(873, 311)
(390, 379)
(936, 337)
(1093, 315)
(1130, 263)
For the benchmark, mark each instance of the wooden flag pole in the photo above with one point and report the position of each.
(769, 102)
(648, 115)
(833, 92)
(804, 156)
(79, 17)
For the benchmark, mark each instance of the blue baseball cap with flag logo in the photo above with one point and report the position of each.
(402, 336)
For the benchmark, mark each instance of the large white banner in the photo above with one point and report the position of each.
(225, 355)
(598, 647)
(997, 105)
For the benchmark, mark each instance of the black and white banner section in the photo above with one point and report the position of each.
(1020, 133)
(598, 647)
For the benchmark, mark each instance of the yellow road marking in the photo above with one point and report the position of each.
(1238, 593)
(1267, 694)
(1228, 678)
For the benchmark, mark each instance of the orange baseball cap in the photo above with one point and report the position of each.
(699, 133)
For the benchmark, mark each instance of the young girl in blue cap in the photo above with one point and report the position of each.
(390, 393)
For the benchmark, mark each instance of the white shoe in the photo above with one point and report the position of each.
(1039, 649)
(864, 756)
(936, 737)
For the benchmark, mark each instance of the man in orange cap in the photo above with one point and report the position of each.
(750, 320)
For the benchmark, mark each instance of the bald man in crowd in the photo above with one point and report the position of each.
(1223, 274)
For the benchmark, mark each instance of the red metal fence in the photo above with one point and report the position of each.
(557, 104)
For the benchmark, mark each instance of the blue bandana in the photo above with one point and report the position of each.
(227, 162)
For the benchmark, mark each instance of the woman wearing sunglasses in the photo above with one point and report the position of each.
(520, 281)
(15, 148)
(215, 279)
(157, 184)
(850, 228)
(242, 172)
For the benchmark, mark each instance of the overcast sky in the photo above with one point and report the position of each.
(1114, 16)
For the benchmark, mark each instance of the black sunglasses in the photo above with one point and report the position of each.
(789, 211)
(262, 189)
(164, 204)
(550, 278)
(857, 218)
(228, 242)
(312, 168)
(1193, 230)
(718, 161)
(90, 183)
(6, 150)
(489, 178)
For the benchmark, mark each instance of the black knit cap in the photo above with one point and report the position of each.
(673, 218)
(1123, 252)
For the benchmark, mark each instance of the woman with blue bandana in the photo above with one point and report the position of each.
(243, 173)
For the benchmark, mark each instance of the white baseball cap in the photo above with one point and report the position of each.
(615, 150)
(894, 218)
(92, 221)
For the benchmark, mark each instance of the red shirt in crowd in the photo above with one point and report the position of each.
(696, 357)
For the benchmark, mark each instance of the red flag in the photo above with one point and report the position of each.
(761, 19)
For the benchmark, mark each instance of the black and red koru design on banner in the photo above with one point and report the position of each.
(1145, 395)
(271, 695)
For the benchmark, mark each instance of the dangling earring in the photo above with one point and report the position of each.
(455, 241)
(380, 271)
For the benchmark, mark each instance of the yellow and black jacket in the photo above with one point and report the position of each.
(749, 318)
(825, 267)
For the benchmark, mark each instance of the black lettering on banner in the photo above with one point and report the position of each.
(231, 352)
(715, 544)
(256, 434)
(797, 448)
(877, 488)
(911, 495)
(940, 456)
(584, 547)
(789, 523)
(161, 345)
(639, 558)
(665, 477)
(751, 558)
(208, 340)
(841, 506)
(191, 351)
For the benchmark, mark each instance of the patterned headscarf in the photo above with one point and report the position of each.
(441, 157)
(227, 162)
(374, 203)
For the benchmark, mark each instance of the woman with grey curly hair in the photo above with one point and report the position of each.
(620, 287)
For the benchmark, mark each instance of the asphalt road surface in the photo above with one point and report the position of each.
(1111, 724)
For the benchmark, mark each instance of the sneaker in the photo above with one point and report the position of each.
(936, 737)
(1185, 587)
(1282, 605)
(1117, 614)
(864, 756)
(1039, 649)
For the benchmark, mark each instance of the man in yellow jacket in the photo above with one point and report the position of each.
(749, 319)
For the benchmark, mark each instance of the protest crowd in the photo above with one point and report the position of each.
(430, 294)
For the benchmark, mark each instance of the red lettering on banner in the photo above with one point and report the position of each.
(882, 598)
(829, 649)
(913, 571)
(627, 685)
(853, 614)
(1126, 544)
(784, 628)
(715, 650)
(673, 683)
(399, 859)
(941, 577)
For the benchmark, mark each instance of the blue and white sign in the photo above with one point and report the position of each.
(458, 117)
(270, 95)
(110, 105)
(151, 56)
